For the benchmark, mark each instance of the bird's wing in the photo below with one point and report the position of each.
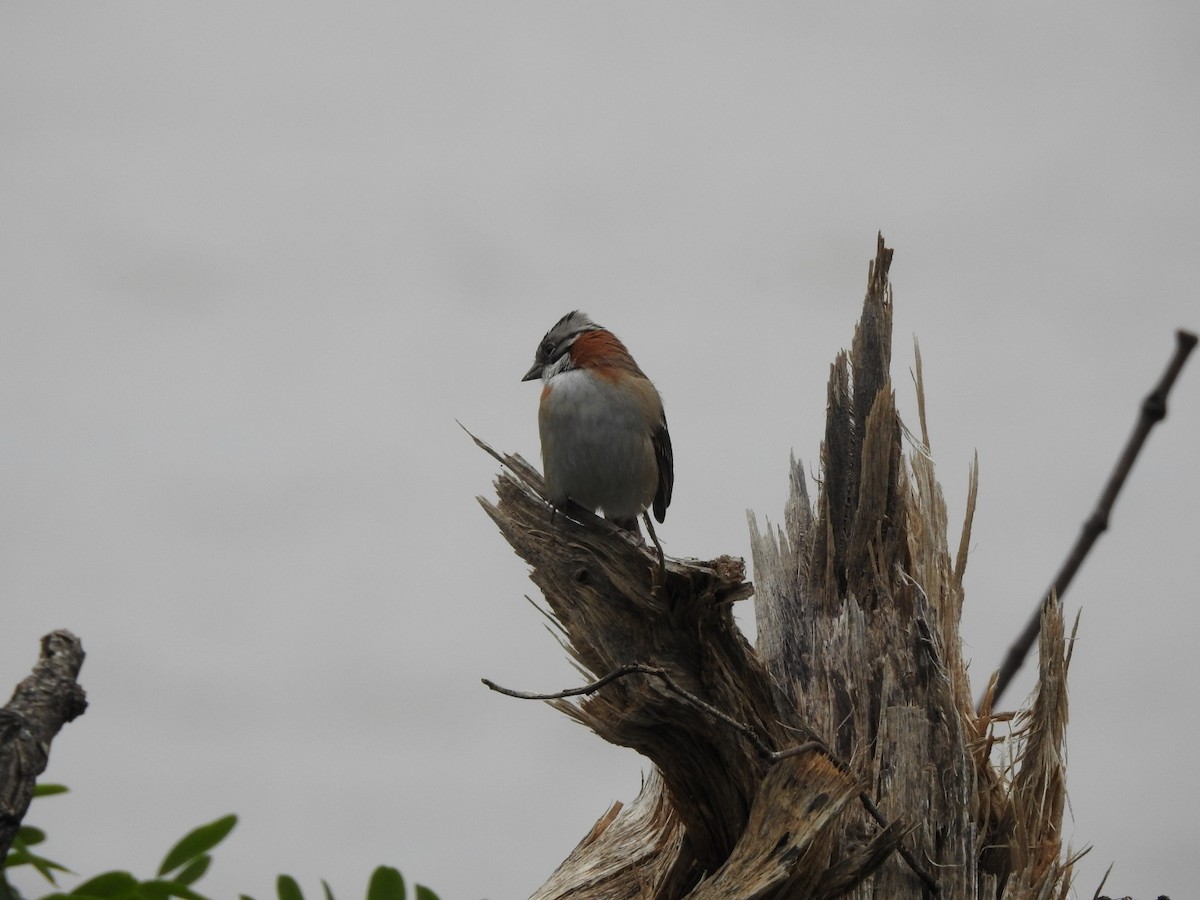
(661, 439)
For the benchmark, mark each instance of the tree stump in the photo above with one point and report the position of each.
(843, 755)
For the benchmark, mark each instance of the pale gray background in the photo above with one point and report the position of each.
(256, 259)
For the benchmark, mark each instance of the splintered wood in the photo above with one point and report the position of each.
(893, 789)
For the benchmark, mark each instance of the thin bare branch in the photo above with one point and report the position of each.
(1153, 410)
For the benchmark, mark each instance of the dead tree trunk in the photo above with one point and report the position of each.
(843, 756)
(41, 704)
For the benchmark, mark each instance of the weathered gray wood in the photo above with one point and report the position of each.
(631, 851)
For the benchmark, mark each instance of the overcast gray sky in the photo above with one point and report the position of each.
(257, 259)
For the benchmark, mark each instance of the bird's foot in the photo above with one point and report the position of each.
(660, 576)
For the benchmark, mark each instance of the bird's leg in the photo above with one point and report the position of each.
(660, 578)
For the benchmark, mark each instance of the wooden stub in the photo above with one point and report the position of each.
(48, 698)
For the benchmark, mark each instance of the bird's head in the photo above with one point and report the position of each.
(553, 354)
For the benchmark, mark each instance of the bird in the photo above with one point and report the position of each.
(605, 444)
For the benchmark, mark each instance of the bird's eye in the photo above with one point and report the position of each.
(547, 349)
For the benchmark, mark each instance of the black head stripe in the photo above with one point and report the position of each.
(558, 339)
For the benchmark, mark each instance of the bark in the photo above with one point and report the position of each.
(45, 701)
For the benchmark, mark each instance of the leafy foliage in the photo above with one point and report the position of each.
(184, 865)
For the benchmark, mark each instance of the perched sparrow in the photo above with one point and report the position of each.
(605, 443)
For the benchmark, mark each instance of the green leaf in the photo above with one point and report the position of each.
(386, 884)
(29, 835)
(287, 888)
(109, 884)
(328, 892)
(48, 790)
(193, 871)
(17, 855)
(15, 858)
(24, 857)
(18, 847)
(424, 893)
(196, 843)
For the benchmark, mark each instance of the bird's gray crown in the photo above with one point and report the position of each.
(571, 324)
(559, 338)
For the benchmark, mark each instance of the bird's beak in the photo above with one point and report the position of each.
(535, 372)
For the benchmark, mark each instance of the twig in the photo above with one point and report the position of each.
(642, 668)
(1153, 411)
(589, 688)
(1100, 887)
(773, 756)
